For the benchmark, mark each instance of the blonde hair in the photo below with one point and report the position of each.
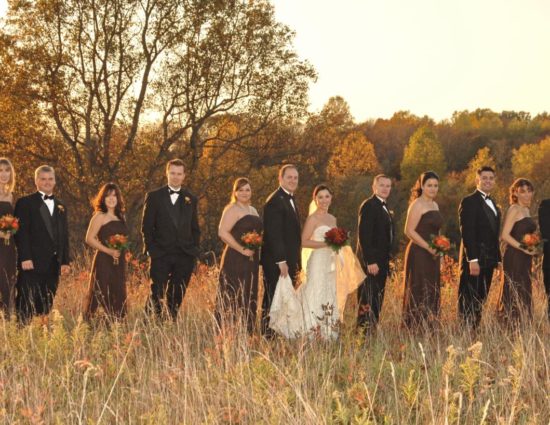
(11, 182)
(43, 169)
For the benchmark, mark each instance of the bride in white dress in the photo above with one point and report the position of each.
(316, 307)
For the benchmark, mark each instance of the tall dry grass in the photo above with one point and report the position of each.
(62, 370)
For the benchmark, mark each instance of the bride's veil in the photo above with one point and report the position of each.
(306, 252)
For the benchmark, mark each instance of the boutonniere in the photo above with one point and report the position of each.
(391, 212)
(61, 208)
(187, 200)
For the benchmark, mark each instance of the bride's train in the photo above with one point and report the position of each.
(317, 306)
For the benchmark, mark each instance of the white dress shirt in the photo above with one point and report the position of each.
(174, 196)
(383, 204)
(488, 201)
(291, 200)
(49, 202)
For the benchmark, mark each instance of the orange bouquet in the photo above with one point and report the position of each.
(440, 244)
(336, 238)
(118, 242)
(531, 242)
(253, 241)
(9, 224)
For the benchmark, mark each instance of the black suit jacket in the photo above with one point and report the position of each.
(282, 231)
(480, 229)
(40, 238)
(375, 233)
(168, 230)
(544, 223)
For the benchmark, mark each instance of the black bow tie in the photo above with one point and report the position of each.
(384, 204)
(46, 197)
(487, 197)
(172, 192)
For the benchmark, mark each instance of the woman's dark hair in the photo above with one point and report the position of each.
(416, 191)
(519, 183)
(320, 187)
(237, 184)
(99, 201)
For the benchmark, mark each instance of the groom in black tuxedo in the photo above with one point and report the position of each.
(544, 223)
(376, 234)
(479, 252)
(171, 237)
(42, 247)
(281, 255)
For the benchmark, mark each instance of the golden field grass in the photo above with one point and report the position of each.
(64, 371)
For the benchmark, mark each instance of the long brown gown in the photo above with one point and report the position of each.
(515, 295)
(7, 263)
(238, 282)
(422, 276)
(108, 280)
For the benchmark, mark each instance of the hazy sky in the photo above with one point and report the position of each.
(427, 56)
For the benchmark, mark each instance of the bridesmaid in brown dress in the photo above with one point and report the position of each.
(515, 298)
(7, 249)
(108, 276)
(238, 282)
(422, 266)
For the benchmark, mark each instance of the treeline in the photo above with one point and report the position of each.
(109, 90)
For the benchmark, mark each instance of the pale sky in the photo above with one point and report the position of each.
(428, 56)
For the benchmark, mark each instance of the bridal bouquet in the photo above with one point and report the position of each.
(441, 244)
(253, 241)
(9, 224)
(336, 238)
(118, 242)
(532, 242)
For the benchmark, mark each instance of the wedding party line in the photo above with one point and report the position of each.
(309, 268)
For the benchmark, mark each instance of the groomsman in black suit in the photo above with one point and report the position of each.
(374, 245)
(479, 251)
(281, 255)
(42, 247)
(171, 237)
(544, 223)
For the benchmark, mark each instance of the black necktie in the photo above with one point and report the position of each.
(46, 197)
(171, 192)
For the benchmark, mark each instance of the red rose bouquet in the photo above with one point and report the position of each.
(118, 242)
(336, 238)
(440, 244)
(532, 242)
(253, 241)
(9, 224)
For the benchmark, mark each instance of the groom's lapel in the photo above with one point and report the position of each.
(46, 218)
(493, 219)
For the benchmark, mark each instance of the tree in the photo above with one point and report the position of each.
(483, 157)
(354, 156)
(531, 162)
(324, 132)
(123, 85)
(391, 136)
(424, 152)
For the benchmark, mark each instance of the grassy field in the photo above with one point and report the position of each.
(61, 370)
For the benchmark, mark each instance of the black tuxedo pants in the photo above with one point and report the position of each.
(370, 296)
(546, 277)
(472, 294)
(35, 291)
(170, 275)
(271, 273)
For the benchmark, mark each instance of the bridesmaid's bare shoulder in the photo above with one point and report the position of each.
(99, 217)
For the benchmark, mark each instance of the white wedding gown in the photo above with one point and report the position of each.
(316, 307)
